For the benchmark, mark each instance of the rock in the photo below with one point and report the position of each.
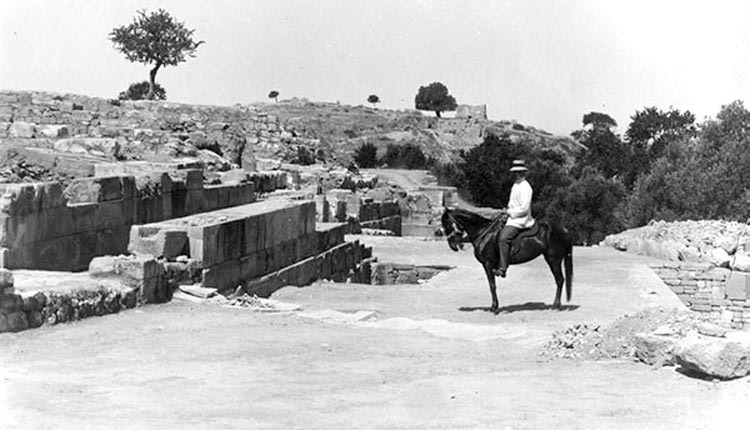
(6, 278)
(102, 265)
(235, 176)
(712, 356)
(35, 319)
(654, 349)
(266, 164)
(719, 257)
(710, 329)
(16, 321)
(740, 262)
(726, 243)
(690, 254)
(198, 291)
(24, 130)
(54, 131)
(105, 147)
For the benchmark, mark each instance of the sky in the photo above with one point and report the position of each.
(543, 63)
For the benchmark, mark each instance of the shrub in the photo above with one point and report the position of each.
(366, 156)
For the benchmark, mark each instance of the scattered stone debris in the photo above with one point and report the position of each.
(658, 337)
(618, 340)
(260, 304)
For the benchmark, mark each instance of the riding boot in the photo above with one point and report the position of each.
(506, 239)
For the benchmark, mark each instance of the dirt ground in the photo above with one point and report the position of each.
(361, 356)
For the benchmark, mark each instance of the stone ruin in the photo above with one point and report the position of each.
(705, 263)
(117, 204)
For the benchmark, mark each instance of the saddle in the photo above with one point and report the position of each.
(527, 232)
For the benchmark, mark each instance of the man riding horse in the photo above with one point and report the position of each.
(519, 214)
(497, 243)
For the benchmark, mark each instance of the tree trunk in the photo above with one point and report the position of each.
(152, 81)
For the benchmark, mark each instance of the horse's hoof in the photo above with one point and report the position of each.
(557, 306)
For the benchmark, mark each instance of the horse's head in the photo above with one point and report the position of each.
(452, 231)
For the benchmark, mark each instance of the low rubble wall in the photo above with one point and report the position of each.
(720, 293)
(46, 227)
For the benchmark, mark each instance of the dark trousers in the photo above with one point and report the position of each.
(506, 237)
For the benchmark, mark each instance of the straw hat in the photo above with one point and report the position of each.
(518, 166)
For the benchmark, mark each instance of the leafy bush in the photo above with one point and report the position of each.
(366, 156)
(407, 156)
(590, 207)
(139, 91)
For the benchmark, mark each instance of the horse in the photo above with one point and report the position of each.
(544, 238)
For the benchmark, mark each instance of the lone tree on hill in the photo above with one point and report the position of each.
(139, 91)
(435, 97)
(374, 99)
(157, 39)
(274, 95)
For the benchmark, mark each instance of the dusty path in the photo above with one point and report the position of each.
(431, 357)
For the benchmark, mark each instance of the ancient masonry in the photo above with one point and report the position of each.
(723, 295)
(127, 233)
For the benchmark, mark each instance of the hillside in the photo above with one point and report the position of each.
(57, 136)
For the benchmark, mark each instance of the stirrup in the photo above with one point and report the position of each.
(499, 272)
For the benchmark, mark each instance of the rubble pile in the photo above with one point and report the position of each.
(715, 241)
(618, 340)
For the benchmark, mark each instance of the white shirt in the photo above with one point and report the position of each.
(519, 205)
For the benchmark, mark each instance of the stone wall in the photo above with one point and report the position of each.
(43, 226)
(130, 128)
(470, 111)
(721, 294)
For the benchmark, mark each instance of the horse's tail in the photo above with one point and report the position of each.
(569, 271)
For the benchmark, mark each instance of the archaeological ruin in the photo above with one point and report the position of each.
(107, 205)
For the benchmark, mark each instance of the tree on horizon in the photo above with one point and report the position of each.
(435, 97)
(274, 95)
(374, 99)
(156, 39)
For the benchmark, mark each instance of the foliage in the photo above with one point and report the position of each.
(589, 207)
(274, 95)
(605, 151)
(488, 179)
(366, 156)
(139, 91)
(435, 97)
(652, 130)
(157, 39)
(599, 120)
(374, 99)
(704, 178)
(407, 156)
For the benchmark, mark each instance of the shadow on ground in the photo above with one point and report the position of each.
(528, 306)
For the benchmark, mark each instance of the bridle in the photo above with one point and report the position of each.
(457, 235)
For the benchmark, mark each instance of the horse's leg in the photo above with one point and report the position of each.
(488, 270)
(555, 264)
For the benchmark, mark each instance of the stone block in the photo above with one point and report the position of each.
(110, 188)
(54, 131)
(714, 357)
(103, 147)
(14, 321)
(224, 276)
(255, 233)
(102, 266)
(168, 242)
(22, 129)
(6, 278)
(738, 286)
(740, 262)
(11, 303)
(719, 257)
(138, 267)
